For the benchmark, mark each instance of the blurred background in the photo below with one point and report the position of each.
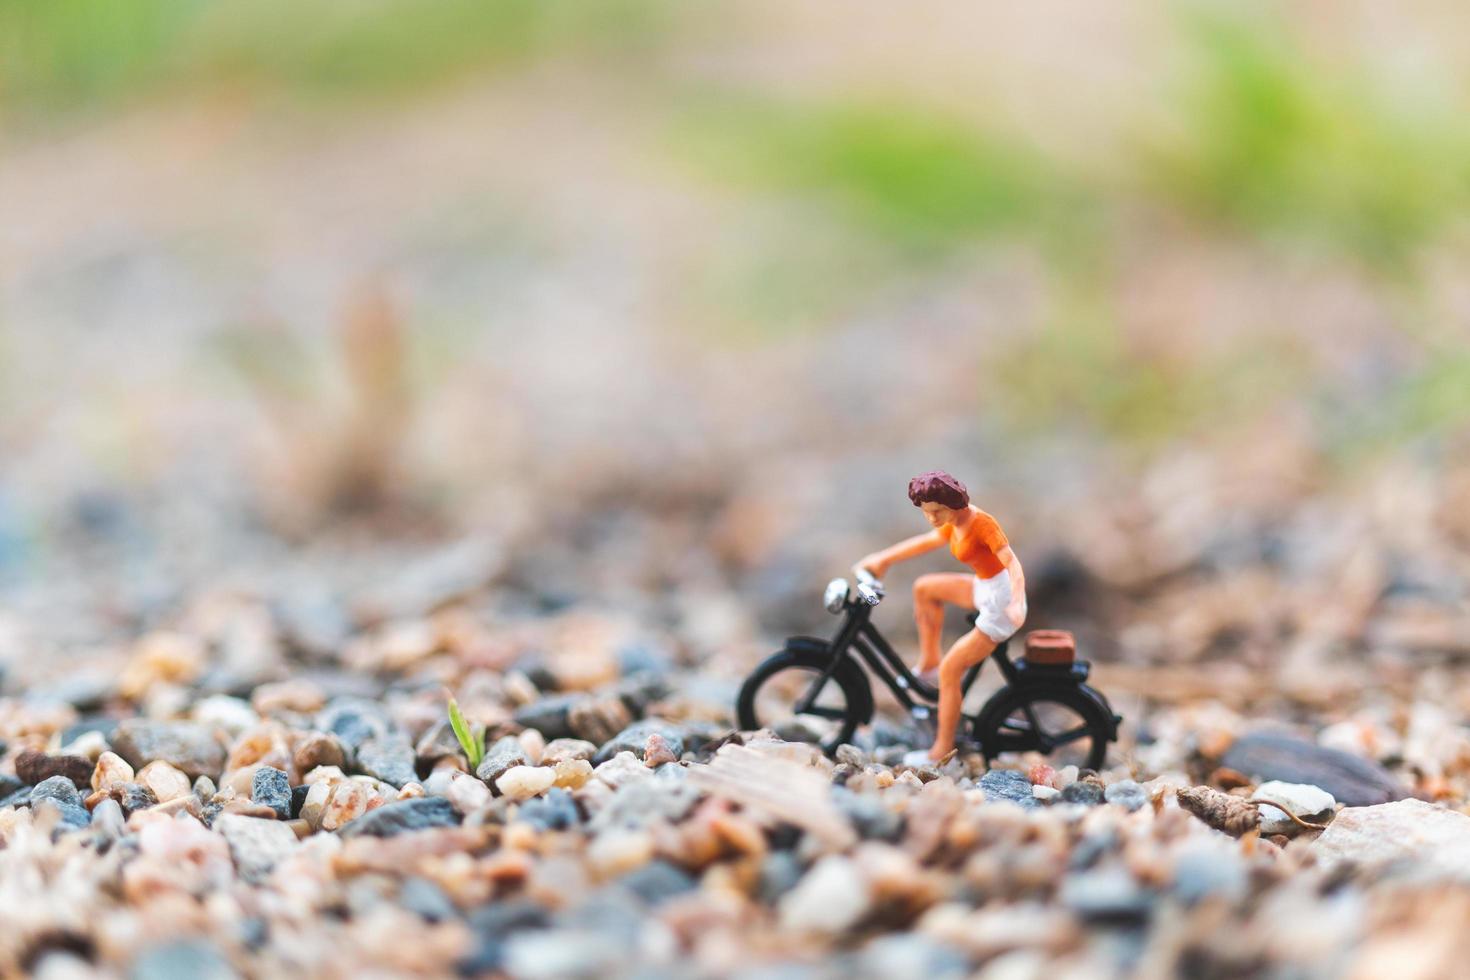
(654, 308)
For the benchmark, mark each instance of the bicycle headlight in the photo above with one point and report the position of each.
(836, 595)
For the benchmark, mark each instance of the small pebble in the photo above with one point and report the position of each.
(657, 752)
(35, 768)
(389, 758)
(567, 750)
(404, 816)
(1127, 794)
(111, 772)
(271, 788)
(468, 793)
(505, 754)
(524, 782)
(1010, 785)
(167, 783)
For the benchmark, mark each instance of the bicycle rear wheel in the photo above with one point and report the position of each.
(1059, 721)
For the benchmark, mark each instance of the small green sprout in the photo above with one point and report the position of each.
(473, 744)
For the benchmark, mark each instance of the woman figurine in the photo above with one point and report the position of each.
(997, 590)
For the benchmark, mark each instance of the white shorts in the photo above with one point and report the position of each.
(992, 595)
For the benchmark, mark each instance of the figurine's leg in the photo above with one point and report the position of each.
(968, 651)
(931, 592)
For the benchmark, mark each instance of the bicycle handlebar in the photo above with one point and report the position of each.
(869, 585)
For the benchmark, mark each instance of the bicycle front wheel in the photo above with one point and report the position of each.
(790, 694)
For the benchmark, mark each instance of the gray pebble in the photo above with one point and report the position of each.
(298, 798)
(1107, 894)
(493, 924)
(635, 736)
(1084, 792)
(403, 816)
(550, 716)
(657, 882)
(271, 787)
(185, 959)
(1200, 873)
(107, 818)
(554, 811)
(256, 844)
(870, 818)
(635, 805)
(58, 794)
(133, 797)
(911, 955)
(426, 900)
(1127, 794)
(1008, 784)
(505, 754)
(183, 745)
(353, 721)
(1351, 779)
(389, 758)
(57, 788)
(780, 872)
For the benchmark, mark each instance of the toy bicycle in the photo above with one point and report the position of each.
(817, 689)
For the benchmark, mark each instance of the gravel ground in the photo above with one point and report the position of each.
(252, 786)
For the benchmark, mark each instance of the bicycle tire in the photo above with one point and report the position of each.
(848, 677)
(996, 734)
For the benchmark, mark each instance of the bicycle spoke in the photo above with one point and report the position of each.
(1047, 726)
(1066, 738)
(805, 705)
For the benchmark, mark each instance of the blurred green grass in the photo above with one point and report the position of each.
(1264, 144)
(919, 180)
(1265, 141)
(1269, 140)
(69, 54)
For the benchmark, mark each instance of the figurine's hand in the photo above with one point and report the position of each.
(873, 565)
(1016, 612)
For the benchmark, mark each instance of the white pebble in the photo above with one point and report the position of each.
(467, 793)
(111, 772)
(524, 782)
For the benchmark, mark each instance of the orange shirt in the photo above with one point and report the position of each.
(977, 544)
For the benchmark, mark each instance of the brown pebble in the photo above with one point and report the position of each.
(1226, 778)
(247, 808)
(36, 767)
(657, 752)
(317, 749)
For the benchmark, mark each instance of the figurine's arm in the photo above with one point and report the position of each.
(1016, 609)
(879, 561)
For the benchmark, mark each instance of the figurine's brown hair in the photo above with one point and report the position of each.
(938, 487)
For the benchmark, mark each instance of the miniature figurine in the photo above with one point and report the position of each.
(996, 590)
(817, 690)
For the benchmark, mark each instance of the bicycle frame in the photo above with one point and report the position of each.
(858, 634)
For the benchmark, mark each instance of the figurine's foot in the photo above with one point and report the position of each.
(917, 758)
(929, 675)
